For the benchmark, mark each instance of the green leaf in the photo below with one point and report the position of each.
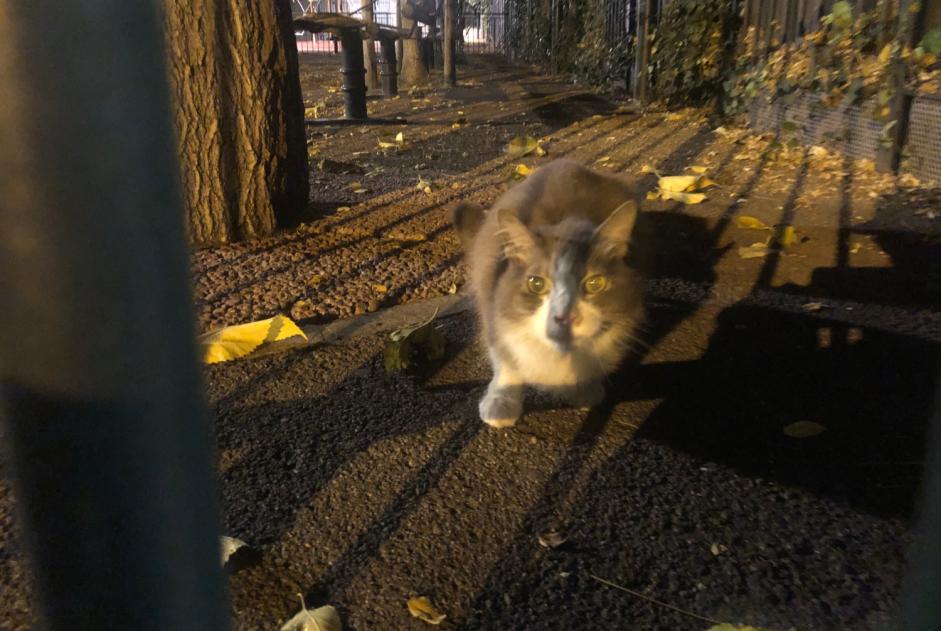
(410, 346)
(931, 42)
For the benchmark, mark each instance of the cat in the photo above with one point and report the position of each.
(558, 304)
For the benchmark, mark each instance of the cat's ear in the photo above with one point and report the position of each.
(518, 241)
(467, 217)
(615, 231)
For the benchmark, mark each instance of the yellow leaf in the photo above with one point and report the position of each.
(652, 195)
(885, 54)
(784, 236)
(686, 198)
(380, 288)
(233, 342)
(400, 137)
(751, 223)
(754, 251)
(603, 159)
(521, 146)
(316, 279)
(421, 608)
(804, 429)
(705, 182)
(386, 145)
(697, 169)
(310, 112)
(522, 170)
(678, 183)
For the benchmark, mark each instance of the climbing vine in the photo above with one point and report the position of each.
(848, 60)
(693, 50)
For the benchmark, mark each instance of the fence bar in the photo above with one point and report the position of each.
(103, 409)
(642, 52)
(921, 597)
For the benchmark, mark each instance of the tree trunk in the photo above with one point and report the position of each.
(369, 50)
(450, 25)
(239, 117)
(414, 71)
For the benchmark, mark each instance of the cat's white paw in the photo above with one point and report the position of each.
(588, 395)
(500, 410)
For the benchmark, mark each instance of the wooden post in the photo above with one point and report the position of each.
(450, 65)
(369, 49)
(642, 52)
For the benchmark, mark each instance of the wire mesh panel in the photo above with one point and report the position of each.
(851, 129)
(922, 155)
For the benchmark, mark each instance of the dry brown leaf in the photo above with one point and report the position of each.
(421, 608)
(804, 429)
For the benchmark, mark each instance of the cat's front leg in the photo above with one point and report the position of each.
(587, 395)
(502, 405)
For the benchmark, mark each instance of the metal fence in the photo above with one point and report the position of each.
(480, 32)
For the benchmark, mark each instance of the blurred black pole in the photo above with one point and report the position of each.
(104, 416)
(921, 598)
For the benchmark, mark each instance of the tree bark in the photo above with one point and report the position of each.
(369, 50)
(450, 25)
(414, 71)
(239, 117)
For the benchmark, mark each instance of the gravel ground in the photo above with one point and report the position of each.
(361, 489)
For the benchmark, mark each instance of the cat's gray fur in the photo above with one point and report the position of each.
(566, 224)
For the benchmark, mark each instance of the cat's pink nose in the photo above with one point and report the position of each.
(568, 320)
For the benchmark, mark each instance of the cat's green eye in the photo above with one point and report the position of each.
(595, 284)
(537, 285)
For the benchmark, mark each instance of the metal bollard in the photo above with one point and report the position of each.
(102, 401)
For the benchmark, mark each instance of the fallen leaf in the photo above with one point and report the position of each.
(751, 223)
(686, 198)
(521, 146)
(410, 346)
(522, 170)
(754, 251)
(424, 185)
(804, 429)
(323, 618)
(784, 236)
(603, 159)
(697, 169)
(550, 539)
(907, 180)
(813, 307)
(358, 188)
(453, 288)
(819, 152)
(312, 150)
(382, 289)
(343, 209)
(229, 546)
(400, 137)
(678, 183)
(717, 549)
(233, 342)
(421, 608)
(856, 248)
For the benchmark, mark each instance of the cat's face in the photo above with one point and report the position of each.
(567, 286)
